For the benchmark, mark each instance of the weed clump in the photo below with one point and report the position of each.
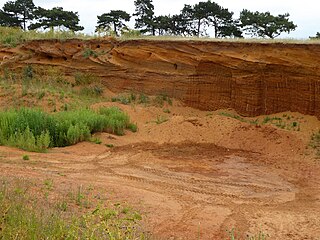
(35, 130)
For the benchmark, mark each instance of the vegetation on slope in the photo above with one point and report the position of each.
(25, 216)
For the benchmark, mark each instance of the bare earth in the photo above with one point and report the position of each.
(196, 174)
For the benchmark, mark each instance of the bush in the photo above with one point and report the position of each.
(34, 130)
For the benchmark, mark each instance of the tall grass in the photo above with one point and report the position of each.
(14, 36)
(35, 130)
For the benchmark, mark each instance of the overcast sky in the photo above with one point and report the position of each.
(305, 14)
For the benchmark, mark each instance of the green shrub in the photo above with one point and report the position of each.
(25, 157)
(34, 130)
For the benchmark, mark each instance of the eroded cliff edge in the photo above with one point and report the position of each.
(252, 78)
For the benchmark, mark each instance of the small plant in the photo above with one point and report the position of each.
(161, 119)
(161, 99)
(28, 72)
(88, 52)
(95, 91)
(143, 99)
(166, 110)
(133, 127)
(109, 145)
(48, 183)
(79, 196)
(26, 157)
(315, 143)
(125, 100)
(95, 140)
(41, 95)
(63, 206)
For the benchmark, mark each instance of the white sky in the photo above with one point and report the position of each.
(305, 13)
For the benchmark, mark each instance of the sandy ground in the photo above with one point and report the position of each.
(197, 174)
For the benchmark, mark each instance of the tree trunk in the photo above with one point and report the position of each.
(115, 28)
(215, 29)
(153, 31)
(199, 26)
(24, 20)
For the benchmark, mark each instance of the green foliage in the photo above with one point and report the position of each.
(88, 52)
(315, 143)
(114, 19)
(283, 123)
(23, 216)
(26, 157)
(34, 130)
(133, 127)
(109, 145)
(264, 24)
(56, 17)
(95, 140)
(143, 98)
(161, 99)
(145, 16)
(17, 13)
(316, 37)
(209, 13)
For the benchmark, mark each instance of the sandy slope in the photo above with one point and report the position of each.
(197, 173)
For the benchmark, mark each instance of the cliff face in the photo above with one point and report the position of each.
(252, 78)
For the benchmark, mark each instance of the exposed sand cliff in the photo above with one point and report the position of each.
(252, 78)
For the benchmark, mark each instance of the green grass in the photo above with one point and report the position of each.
(35, 130)
(15, 36)
(287, 122)
(315, 143)
(26, 157)
(25, 216)
(47, 86)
